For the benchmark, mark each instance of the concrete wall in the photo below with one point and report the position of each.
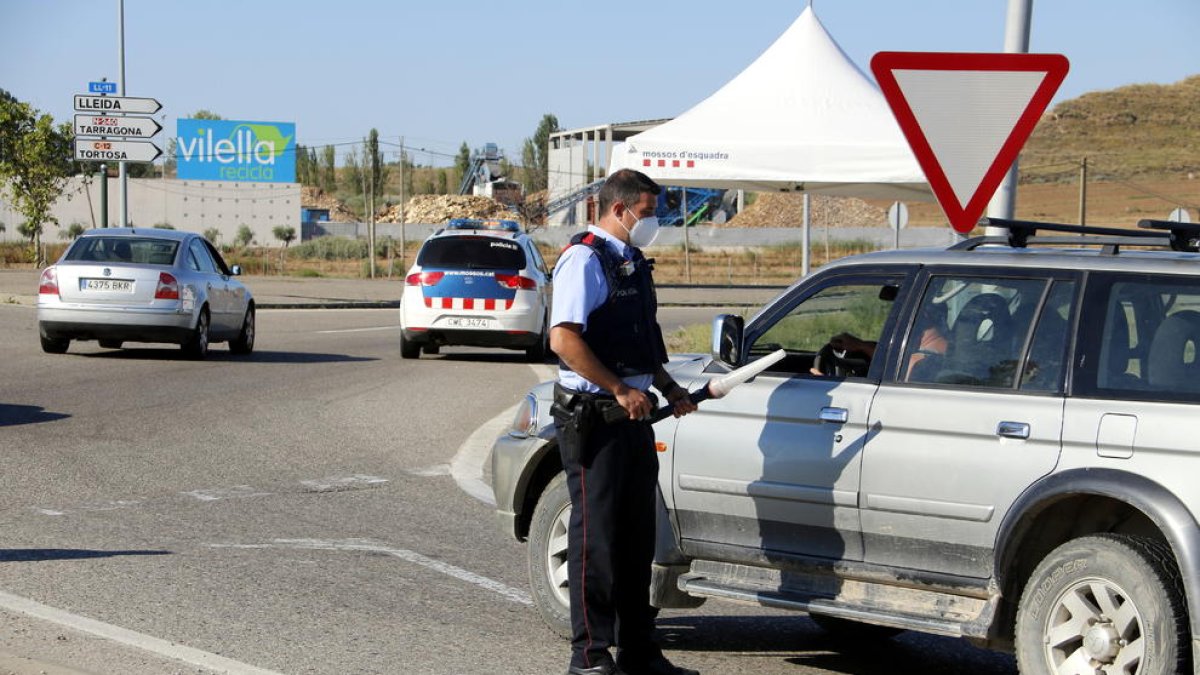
(186, 205)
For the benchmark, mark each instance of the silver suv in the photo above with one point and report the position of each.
(1007, 457)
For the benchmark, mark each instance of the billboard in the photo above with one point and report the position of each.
(235, 150)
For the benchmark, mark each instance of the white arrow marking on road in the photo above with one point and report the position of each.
(369, 546)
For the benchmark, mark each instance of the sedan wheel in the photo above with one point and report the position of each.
(55, 346)
(1105, 604)
(244, 342)
(197, 345)
(548, 556)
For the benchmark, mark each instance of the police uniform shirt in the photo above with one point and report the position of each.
(579, 289)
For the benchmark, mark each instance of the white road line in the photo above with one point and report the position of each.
(128, 637)
(514, 594)
(358, 330)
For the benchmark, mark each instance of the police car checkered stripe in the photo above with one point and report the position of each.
(486, 304)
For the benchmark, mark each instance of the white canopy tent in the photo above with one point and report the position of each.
(802, 117)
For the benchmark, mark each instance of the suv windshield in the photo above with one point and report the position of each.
(477, 253)
(140, 250)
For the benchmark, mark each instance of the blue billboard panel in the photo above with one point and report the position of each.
(263, 152)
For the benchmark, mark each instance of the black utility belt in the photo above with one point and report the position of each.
(603, 405)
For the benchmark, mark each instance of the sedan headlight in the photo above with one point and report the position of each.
(525, 421)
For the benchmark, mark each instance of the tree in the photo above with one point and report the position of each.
(535, 155)
(163, 226)
(373, 163)
(35, 163)
(328, 169)
(284, 233)
(462, 163)
(244, 236)
(72, 232)
(212, 234)
(442, 181)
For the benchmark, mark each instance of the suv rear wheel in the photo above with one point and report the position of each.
(1104, 604)
(548, 555)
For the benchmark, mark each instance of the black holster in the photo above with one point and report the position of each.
(577, 413)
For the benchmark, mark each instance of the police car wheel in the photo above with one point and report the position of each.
(547, 553)
(408, 348)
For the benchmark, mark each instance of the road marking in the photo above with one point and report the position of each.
(128, 637)
(370, 546)
(435, 470)
(217, 494)
(358, 330)
(342, 483)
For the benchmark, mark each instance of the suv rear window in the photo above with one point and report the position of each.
(140, 250)
(471, 253)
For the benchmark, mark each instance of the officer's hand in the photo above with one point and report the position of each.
(678, 398)
(634, 401)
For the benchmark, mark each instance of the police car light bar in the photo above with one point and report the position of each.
(478, 224)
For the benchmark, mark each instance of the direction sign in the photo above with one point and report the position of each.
(1180, 215)
(94, 150)
(116, 126)
(898, 215)
(966, 117)
(102, 87)
(116, 104)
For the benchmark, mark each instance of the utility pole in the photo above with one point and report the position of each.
(103, 195)
(403, 202)
(1016, 41)
(122, 171)
(1083, 191)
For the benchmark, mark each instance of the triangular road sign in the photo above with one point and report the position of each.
(966, 117)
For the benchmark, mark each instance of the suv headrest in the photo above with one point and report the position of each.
(1168, 365)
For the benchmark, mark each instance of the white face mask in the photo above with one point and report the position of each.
(644, 231)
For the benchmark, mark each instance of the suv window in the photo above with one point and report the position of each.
(860, 308)
(1148, 347)
(475, 253)
(971, 330)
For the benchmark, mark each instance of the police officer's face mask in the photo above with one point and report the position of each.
(644, 230)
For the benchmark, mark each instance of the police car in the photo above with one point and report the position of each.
(479, 283)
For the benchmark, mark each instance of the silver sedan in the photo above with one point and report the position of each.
(118, 285)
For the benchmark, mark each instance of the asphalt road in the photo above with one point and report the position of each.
(313, 508)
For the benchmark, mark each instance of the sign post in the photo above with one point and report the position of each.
(966, 117)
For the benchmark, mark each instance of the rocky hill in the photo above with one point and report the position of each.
(1142, 131)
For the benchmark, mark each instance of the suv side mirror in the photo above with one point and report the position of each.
(236, 270)
(727, 332)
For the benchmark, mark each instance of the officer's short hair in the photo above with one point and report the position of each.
(626, 186)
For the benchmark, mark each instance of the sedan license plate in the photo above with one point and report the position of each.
(110, 285)
(467, 322)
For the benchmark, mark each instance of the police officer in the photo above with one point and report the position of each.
(610, 348)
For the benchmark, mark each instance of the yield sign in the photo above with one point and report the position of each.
(966, 117)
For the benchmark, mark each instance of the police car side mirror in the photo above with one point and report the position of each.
(727, 331)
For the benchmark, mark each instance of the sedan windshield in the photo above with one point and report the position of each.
(139, 250)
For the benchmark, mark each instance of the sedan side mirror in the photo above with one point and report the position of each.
(236, 270)
(727, 330)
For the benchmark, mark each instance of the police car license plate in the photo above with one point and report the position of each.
(467, 322)
(111, 285)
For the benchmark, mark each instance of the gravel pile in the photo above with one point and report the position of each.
(772, 209)
(315, 198)
(441, 208)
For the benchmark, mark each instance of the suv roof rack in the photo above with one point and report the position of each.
(1177, 236)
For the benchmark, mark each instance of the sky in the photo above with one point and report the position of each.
(440, 73)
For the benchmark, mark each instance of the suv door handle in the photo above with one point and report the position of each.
(1013, 430)
(836, 415)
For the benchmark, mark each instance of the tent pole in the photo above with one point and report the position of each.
(807, 240)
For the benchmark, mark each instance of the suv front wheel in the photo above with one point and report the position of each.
(1106, 603)
(548, 555)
